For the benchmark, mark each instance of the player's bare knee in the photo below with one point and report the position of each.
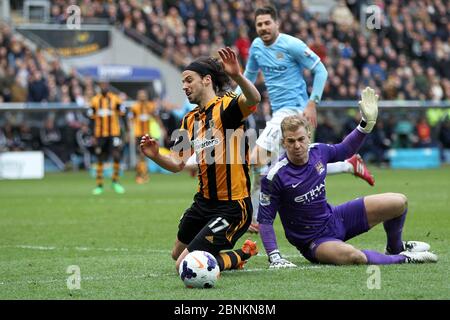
(404, 201)
(356, 257)
(175, 254)
(401, 203)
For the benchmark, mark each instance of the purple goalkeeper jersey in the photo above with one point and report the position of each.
(298, 193)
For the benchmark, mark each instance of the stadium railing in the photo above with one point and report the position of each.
(58, 106)
(393, 105)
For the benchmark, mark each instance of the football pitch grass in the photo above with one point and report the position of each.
(122, 243)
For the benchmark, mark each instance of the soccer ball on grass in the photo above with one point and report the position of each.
(199, 269)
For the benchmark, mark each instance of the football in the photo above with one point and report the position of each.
(199, 269)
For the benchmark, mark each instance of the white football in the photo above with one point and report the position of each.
(199, 269)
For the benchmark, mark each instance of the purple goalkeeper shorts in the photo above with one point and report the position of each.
(348, 220)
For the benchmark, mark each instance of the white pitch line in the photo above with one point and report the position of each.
(112, 249)
(149, 275)
(32, 247)
(49, 248)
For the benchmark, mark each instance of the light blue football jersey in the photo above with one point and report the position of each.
(282, 65)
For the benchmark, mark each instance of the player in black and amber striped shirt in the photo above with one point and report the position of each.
(223, 167)
(143, 113)
(106, 112)
(222, 209)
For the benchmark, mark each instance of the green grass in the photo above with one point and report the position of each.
(122, 243)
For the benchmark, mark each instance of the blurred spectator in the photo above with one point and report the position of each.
(169, 121)
(28, 138)
(325, 132)
(423, 133)
(444, 133)
(243, 45)
(381, 142)
(341, 14)
(11, 138)
(3, 141)
(85, 144)
(53, 144)
(37, 88)
(404, 136)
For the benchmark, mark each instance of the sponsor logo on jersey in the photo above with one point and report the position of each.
(104, 113)
(311, 194)
(272, 69)
(200, 144)
(319, 167)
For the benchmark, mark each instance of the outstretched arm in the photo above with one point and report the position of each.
(250, 95)
(251, 69)
(269, 240)
(171, 162)
(268, 207)
(368, 106)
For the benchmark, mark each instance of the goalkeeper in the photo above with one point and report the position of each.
(295, 188)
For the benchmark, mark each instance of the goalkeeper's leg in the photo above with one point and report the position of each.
(341, 253)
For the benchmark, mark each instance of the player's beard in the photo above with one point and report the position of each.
(269, 37)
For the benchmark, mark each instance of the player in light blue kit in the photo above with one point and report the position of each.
(282, 58)
(295, 188)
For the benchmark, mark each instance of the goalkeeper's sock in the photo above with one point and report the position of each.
(99, 177)
(394, 229)
(378, 258)
(231, 259)
(339, 167)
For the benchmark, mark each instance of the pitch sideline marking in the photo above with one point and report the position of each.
(77, 248)
(149, 275)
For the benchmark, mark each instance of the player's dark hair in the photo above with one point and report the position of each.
(268, 9)
(212, 66)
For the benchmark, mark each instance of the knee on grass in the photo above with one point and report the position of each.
(175, 254)
(353, 257)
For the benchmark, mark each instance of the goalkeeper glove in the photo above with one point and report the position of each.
(368, 106)
(278, 262)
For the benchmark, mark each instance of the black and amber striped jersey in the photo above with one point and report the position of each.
(106, 111)
(216, 136)
(141, 113)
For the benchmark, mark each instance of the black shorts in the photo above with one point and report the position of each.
(106, 145)
(213, 226)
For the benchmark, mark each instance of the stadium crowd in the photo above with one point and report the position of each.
(407, 58)
(404, 59)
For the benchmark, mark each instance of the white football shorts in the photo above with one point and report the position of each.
(270, 137)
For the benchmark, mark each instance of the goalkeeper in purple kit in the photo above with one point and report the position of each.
(295, 188)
